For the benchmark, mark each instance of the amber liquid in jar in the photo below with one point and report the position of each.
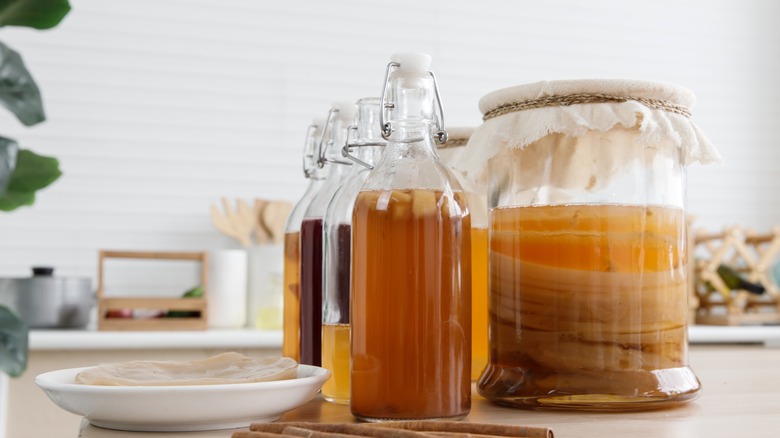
(335, 334)
(479, 300)
(588, 308)
(311, 292)
(291, 322)
(411, 309)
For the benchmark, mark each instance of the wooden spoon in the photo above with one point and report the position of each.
(237, 224)
(262, 234)
(245, 220)
(221, 222)
(275, 219)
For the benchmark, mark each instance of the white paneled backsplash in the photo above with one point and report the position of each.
(157, 108)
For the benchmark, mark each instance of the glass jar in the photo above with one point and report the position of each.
(330, 145)
(476, 196)
(292, 231)
(587, 256)
(367, 143)
(411, 265)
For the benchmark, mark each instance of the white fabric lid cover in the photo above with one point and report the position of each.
(517, 116)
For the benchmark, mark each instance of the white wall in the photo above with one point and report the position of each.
(158, 107)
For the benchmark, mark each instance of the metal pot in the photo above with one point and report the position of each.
(46, 301)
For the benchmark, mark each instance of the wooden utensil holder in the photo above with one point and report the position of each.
(199, 305)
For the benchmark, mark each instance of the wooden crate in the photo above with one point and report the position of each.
(105, 304)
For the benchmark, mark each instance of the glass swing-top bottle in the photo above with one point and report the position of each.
(411, 264)
(329, 155)
(292, 231)
(366, 141)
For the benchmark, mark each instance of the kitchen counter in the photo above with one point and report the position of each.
(90, 339)
(741, 397)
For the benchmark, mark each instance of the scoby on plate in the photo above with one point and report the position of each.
(220, 369)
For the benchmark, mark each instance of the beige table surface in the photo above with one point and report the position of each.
(741, 398)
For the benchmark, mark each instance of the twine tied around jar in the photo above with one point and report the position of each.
(456, 136)
(575, 99)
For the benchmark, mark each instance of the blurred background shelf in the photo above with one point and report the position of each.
(769, 335)
(42, 340)
(224, 340)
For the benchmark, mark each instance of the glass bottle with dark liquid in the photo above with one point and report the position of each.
(366, 145)
(329, 156)
(411, 265)
(292, 231)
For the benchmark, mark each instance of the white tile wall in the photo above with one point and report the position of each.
(156, 108)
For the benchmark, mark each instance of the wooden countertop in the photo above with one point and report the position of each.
(741, 397)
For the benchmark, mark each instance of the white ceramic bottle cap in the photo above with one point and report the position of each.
(412, 61)
(346, 111)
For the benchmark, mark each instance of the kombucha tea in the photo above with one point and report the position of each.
(335, 326)
(291, 304)
(311, 292)
(479, 300)
(588, 307)
(335, 357)
(411, 305)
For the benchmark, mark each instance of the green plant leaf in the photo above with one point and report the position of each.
(18, 91)
(10, 201)
(13, 343)
(32, 172)
(38, 14)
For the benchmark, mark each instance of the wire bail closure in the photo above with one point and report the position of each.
(387, 129)
(348, 145)
(308, 153)
(321, 158)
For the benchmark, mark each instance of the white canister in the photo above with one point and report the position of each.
(227, 286)
(264, 293)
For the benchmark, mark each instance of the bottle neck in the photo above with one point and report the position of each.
(317, 173)
(334, 141)
(369, 155)
(336, 172)
(411, 116)
(411, 139)
(412, 98)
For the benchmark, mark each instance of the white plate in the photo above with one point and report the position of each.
(181, 408)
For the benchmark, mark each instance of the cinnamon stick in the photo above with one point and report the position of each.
(352, 429)
(448, 427)
(463, 435)
(400, 429)
(308, 433)
(252, 434)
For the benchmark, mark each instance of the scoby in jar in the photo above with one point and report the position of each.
(224, 368)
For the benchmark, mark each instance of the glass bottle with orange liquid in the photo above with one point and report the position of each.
(311, 275)
(476, 195)
(367, 144)
(411, 265)
(587, 247)
(292, 231)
